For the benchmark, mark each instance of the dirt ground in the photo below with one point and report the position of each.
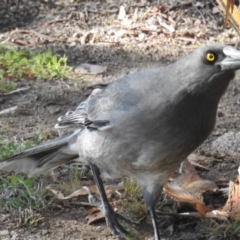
(143, 35)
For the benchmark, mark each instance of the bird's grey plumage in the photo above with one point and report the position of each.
(142, 125)
(44, 157)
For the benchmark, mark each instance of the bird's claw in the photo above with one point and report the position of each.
(110, 216)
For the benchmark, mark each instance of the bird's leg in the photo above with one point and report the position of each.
(110, 215)
(98, 203)
(151, 196)
(154, 222)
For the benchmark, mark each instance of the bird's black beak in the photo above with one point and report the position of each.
(232, 59)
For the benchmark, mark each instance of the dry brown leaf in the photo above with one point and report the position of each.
(182, 195)
(194, 159)
(94, 216)
(189, 186)
(109, 189)
(232, 205)
(20, 42)
(59, 194)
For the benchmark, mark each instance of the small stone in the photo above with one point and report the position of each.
(197, 22)
(45, 232)
(53, 110)
(228, 143)
(72, 44)
(122, 13)
(4, 232)
(141, 36)
(152, 21)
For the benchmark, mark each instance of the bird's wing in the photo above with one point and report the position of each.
(78, 117)
(104, 105)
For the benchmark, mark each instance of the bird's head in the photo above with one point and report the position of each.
(209, 68)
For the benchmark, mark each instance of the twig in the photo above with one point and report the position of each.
(188, 39)
(8, 110)
(57, 20)
(17, 90)
(170, 28)
(203, 18)
(6, 40)
(34, 33)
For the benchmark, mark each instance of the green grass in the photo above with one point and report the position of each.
(132, 189)
(10, 148)
(134, 205)
(28, 218)
(22, 197)
(17, 64)
(75, 178)
(224, 230)
(19, 192)
(7, 149)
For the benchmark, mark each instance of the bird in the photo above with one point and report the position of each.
(142, 126)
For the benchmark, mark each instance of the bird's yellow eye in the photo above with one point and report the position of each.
(210, 57)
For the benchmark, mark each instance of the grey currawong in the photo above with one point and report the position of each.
(142, 125)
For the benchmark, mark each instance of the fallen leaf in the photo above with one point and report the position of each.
(59, 194)
(98, 213)
(194, 158)
(232, 205)
(109, 189)
(189, 186)
(95, 216)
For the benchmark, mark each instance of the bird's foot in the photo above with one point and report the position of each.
(112, 218)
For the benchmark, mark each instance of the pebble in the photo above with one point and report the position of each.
(153, 21)
(53, 110)
(4, 232)
(122, 13)
(45, 232)
(227, 143)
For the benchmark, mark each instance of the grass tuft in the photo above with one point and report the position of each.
(20, 192)
(134, 205)
(15, 64)
(10, 148)
(224, 230)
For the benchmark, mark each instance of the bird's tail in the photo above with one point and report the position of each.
(44, 157)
